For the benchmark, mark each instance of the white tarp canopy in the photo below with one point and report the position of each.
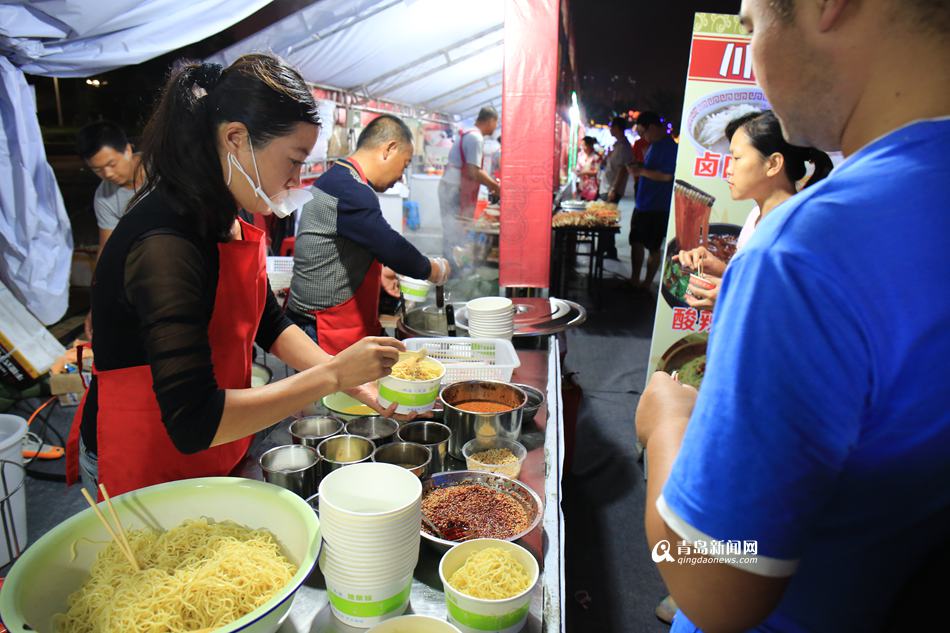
(439, 55)
(71, 38)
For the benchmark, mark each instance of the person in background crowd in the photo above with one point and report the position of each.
(464, 174)
(820, 438)
(589, 161)
(613, 182)
(345, 248)
(651, 211)
(640, 147)
(764, 168)
(106, 150)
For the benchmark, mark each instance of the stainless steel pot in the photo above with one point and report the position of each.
(467, 425)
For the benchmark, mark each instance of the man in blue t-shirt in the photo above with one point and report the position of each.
(807, 485)
(651, 212)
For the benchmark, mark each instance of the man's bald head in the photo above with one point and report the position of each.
(383, 130)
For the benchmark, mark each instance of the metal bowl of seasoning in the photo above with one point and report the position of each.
(481, 408)
(376, 428)
(478, 505)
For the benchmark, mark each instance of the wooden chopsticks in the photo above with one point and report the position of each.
(118, 533)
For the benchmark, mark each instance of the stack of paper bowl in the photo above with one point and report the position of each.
(491, 317)
(370, 515)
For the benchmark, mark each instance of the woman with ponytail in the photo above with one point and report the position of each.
(180, 294)
(764, 168)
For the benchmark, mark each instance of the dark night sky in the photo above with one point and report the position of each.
(633, 54)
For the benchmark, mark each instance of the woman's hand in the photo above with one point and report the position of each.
(365, 361)
(711, 264)
(390, 281)
(368, 394)
(703, 298)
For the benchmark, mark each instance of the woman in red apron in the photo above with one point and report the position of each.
(180, 294)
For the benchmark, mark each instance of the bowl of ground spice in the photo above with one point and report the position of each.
(470, 504)
(495, 455)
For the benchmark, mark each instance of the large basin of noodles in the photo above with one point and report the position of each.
(39, 584)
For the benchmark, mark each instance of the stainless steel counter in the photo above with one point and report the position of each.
(542, 471)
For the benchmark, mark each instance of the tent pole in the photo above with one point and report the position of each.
(59, 103)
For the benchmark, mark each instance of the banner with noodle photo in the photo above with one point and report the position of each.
(720, 87)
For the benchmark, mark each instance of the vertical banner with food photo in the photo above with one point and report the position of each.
(704, 220)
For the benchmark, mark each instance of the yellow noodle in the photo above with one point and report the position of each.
(413, 369)
(491, 574)
(194, 576)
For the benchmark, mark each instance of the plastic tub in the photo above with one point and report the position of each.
(12, 430)
(415, 290)
(480, 444)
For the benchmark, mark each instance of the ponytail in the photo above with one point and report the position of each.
(822, 163)
(765, 134)
(180, 141)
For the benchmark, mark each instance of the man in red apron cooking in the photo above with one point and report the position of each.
(343, 242)
(464, 174)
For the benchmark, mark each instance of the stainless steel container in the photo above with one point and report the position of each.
(343, 450)
(536, 400)
(434, 436)
(467, 425)
(294, 467)
(415, 458)
(313, 429)
(377, 429)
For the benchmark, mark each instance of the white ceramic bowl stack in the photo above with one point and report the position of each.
(491, 317)
(370, 515)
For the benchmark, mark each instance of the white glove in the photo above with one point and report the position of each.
(440, 270)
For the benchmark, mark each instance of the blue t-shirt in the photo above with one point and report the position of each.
(653, 195)
(822, 430)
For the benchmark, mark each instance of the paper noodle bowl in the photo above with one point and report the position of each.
(708, 116)
(415, 290)
(412, 396)
(479, 615)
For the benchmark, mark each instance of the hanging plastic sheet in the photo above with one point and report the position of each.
(36, 243)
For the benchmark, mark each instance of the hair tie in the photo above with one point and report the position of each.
(207, 76)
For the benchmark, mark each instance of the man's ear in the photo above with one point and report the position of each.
(830, 12)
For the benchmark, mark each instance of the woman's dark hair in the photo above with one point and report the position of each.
(180, 141)
(765, 134)
(590, 141)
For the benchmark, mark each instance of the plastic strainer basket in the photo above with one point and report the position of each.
(470, 358)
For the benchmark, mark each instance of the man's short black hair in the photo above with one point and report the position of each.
(95, 136)
(618, 121)
(646, 119)
(487, 113)
(384, 129)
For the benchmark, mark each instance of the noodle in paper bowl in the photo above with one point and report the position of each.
(413, 384)
(39, 585)
(502, 572)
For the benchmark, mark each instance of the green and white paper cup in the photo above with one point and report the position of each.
(478, 615)
(412, 396)
(363, 606)
(415, 290)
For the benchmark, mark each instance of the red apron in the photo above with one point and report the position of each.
(357, 317)
(134, 447)
(468, 189)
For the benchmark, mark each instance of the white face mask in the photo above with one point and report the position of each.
(281, 204)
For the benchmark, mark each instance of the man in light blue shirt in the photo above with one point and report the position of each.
(808, 483)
